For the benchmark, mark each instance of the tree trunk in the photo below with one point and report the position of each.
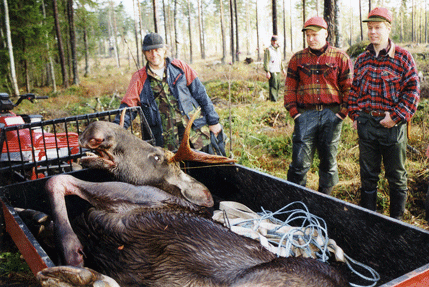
(412, 21)
(222, 28)
(258, 48)
(51, 62)
(136, 32)
(284, 30)
(237, 50)
(303, 21)
(141, 28)
(112, 34)
(201, 32)
(70, 14)
(165, 22)
(155, 16)
(426, 23)
(85, 43)
(274, 5)
(60, 45)
(248, 27)
(329, 15)
(10, 50)
(190, 31)
(290, 25)
(231, 9)
(176, 29)
(360, 20)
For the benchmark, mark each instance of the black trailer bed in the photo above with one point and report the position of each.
(396, 250)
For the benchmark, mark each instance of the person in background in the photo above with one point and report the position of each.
(383, 98)
(273, 65)
(317, 84)
(169, 93)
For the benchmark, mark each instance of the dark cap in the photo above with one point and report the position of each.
(379, 14)
(152, 41)
(274, 38)
(315, 23)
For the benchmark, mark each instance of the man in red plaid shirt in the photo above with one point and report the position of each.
(383, 98)
(317, 84)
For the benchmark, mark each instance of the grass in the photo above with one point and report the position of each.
(259, 131)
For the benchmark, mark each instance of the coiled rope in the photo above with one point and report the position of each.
(309, 238)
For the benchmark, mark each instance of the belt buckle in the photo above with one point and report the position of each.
(319, 108)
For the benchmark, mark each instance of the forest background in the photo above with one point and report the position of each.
(82, 53)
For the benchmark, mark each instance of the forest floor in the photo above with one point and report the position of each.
(259, 133)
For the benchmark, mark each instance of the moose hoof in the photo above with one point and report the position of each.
(69, 276)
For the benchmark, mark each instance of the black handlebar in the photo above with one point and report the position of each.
(30, 97)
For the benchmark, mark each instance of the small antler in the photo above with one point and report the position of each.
(122, 118)
(186, 153)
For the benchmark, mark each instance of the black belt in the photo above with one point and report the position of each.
(318, 107)
(375, 113)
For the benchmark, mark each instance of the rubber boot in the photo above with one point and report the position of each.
(397, 203)
(326, 190)
(368, 199)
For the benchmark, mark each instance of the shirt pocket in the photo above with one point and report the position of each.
(362, 82)
(392, 85)
(330, 72)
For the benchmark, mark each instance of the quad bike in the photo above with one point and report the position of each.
(24, 140)
(33, 148)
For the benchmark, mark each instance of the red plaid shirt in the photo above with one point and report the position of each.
(314, 80)
(388, 82)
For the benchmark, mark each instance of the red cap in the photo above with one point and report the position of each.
(379, 14)
(315, 23)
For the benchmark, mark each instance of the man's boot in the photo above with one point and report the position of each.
(369, 199)
(326, 190)
(397, 203)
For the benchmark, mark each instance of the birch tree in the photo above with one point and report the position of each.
(10, 49)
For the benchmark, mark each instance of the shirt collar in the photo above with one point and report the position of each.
(389, 50)
(321, 51)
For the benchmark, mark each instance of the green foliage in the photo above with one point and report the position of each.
(356, 49)
(12, 262)
(241, 91)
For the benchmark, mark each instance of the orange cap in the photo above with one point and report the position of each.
(379, 14)
(315, 23)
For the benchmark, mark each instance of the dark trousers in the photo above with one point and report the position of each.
(378, 144)
(274, 86)
(321, 131)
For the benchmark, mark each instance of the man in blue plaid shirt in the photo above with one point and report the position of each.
(383, 98)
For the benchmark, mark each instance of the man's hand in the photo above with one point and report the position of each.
(355, 124)
(268, 75)
(387, 122)
(215, 129)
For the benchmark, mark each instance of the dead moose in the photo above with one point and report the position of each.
(152, 234)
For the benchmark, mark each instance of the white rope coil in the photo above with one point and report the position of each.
(308, 239)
